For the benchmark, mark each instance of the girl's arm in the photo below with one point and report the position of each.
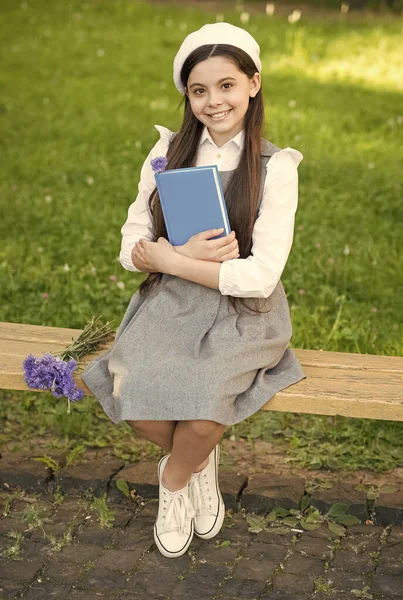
(204, 272)
(160, 257)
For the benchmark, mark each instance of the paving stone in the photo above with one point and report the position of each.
(93, 534)
(241, 589)
(119, 560)
(152, 585)
(85, 595)
(361, 543)
(258, 570)
(312, 546)
(56, 529)
(150, 509)
(40, 591)
(17, 470)
(134, 542)
(63, 572)
(140, 523)
(9, 589)
(141, 477)
(266, 552)
(394, 550)
(19, 570)
(342, 491)
(336, 596)
(235, 529)
(287, 582)
(264, 493)
(345, 581)
(11, 523)
(269, 537)
(323, 532)
(79, 553)
(100, 578)
(208, 552)
(231, 483)
(297, 564)
(279, 595)
(94, 475)
(201, 584)
(156, 562)
(396, 534)
(389, 586)
(391, 567)
(361, 529)
(349, 561)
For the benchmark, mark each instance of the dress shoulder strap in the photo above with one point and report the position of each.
(268, 149)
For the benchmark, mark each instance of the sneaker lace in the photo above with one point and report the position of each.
(200, 493)
(177, 510)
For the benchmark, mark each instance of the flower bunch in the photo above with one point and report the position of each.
(54, 371)
(159, 164)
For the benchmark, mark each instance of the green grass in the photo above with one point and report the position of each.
(82, 86)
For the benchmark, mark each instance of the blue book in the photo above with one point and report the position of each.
(192, 200)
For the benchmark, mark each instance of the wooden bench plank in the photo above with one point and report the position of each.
(355, 385)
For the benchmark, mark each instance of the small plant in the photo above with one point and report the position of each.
(52, 464)
(64, 540)
(321, 585)
(58, 496)
(362, 593)
(74, 455)
(283, 520)
(9, 501)
(372, 493)
(228, 519)
(91, 564)
(106, 516)
(123, 487)
(14, 551)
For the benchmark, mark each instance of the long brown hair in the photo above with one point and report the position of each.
(242, 193)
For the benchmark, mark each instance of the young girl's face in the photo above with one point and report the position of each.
(216, 85)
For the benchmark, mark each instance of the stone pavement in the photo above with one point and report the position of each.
(70, 547)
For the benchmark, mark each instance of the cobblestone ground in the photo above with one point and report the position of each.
(62, 550)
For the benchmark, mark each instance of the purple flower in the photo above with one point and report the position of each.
(53, 374)
(159, 164)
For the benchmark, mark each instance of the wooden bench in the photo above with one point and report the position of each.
(337, 383)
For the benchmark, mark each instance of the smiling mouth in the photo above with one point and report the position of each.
(220, 116)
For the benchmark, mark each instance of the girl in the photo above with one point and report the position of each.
(203, 342)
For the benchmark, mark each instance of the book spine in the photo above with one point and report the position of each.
(220, 194)
(163, 207)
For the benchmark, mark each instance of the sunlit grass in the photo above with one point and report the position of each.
(83, 83)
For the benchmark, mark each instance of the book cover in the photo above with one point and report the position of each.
(192, 200)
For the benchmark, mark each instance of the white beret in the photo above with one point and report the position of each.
(215, 33)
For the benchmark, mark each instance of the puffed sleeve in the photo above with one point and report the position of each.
(139, 220)
(257, 275)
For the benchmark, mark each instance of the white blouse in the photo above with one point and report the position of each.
(257, 275)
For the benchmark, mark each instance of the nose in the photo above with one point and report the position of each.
(214, 100)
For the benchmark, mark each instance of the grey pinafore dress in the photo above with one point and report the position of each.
(183, 352)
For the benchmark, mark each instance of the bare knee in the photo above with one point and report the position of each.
(150, 426)
(205, 428)
(140, 426)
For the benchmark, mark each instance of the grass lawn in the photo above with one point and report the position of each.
(83, 83)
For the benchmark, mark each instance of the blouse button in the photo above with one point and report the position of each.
(218, 155)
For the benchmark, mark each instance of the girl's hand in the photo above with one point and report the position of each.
(201, 247)
(156, 256)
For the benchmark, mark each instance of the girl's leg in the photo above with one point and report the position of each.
(158, 432)
(192, 443)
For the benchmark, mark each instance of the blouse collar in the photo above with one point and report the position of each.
(238, 138)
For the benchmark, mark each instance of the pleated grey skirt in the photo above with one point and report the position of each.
(183, 352)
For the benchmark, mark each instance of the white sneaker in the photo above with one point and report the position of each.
(174, 526)
(206, 498)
